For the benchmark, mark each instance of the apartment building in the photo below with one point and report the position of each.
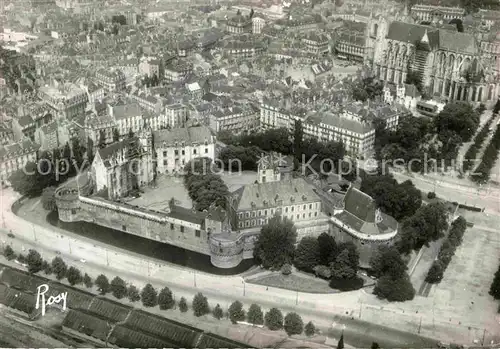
(176, 147)
(66, 100)
(237, 118)
(15, 156)
(111, 80)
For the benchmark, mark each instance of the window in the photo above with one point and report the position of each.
(124, 227)
(303, 215)
(315, 214)
(197, 233)
(304, 207)
(247, 214)
(165, 154)
(253, 214)
(292, 208)
(182, 229)
(253, 222)
(171, 226)
(206, 150)
(194, 151)
(265, 212)
(286, 209)
(240, 224)
(73, 211)
(309, 214)
(240, 215)
(176, 152)
(298, 216)
(247, 223)
(310, 206)
(183, 152)
(165, 162)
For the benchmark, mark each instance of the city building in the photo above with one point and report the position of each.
(128, 117)
(429, 13)
(176, 115)
(52, 136)
(239, 23)
(451, 65)
(147, 101)
(358, 220)
(111, 80)
(15, 156)
(122, 167)
(404, 94)
(257, 24)
(353, 42)
(23, 127)
(176, 147)
(67, 100)
(94, 126)
(177, 70)
(237, 118)
(316, 43)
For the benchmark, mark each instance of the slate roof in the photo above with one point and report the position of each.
(18, 300)
(196, 134)
(457, 42)
(126, 110)
(107, 152)
(360, 213)
(185, 214)
(344, 123)
(293, 192)
(87, 323)
(26, 146)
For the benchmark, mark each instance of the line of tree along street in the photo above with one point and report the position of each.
(471, 153)
(150, 297)
(482, 173)
(447, 250)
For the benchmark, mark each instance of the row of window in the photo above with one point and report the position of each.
(262, 221)
(197, 232)
(287, 209)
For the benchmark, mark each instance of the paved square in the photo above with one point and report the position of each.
(167, 187)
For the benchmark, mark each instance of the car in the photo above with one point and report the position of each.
(83, 260)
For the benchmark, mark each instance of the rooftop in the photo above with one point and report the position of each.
(189, 135)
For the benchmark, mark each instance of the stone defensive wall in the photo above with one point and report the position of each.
(186, 229)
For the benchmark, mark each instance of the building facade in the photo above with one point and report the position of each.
(15, 156)
(111, 81)
(66, 100)
(432, 13)
(176, 147)
(451, 65)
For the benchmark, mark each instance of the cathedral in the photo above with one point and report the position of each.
(451, 65)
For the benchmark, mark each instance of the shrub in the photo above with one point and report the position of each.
(46, 267)
(346, 284)
(166, 299)
(398, 290)
(322, 271)
(293, 324)
(274, 319)
(102, 284)
(200, 305)
(87, 281)
(133, 293)
(310, 330)
(307, 254)
(217, 312)
(236, 312)
(255, 315)
(435, 274)
(8, 252)
(74, 276)
(59, 268)
(431, 195)
(149, 296)
(118, 288)
(183, 307)
(21, 258)
(286, 269)
(34, 261)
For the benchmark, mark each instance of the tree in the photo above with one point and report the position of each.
(458, 22)
(87, 281)
(116, 135)
(293, 324)
(340, 344)
(59, 268)
(217, 312)
(166, 299)
(375, 345)
(48, 198)
(118, 287)
(102, 284)
(276, 243)
(398, 290)
(310, 329)
(459, 117)
(307, 254)
(34, 261)
(274, 319)
(133, 293)
(183, 307)
(496, 108)
(367, 88)
(495, 285)
(342, 268)
(298, 135)
(323, 271)
(435, 274)
(327, 249)
(200, 305)
(149, 296)
(236, 312)
(74, 276)
(8, 252)
(255, 315)
(102, 139)
(47, 268)
(131, 133)
(387, 261)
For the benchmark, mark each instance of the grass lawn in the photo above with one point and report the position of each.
(294, 282)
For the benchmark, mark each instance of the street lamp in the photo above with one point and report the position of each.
(244, 284)
(34, 232)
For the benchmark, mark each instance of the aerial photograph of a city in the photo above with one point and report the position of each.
(250, 174)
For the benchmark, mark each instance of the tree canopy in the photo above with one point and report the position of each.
(276, 243)
(459, 117)
(307, 254)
